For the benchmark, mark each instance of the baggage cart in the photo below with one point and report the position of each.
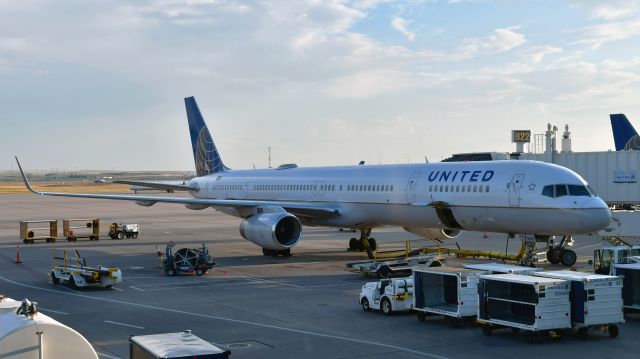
(74, 228)
(30, 232)
(499, 268)
(452, 292)
(630, 284)
(596, 300)
(173, 345)
(535, 304)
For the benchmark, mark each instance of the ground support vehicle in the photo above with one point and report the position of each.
(596, 301)
(395, 268)
(119, 231)
(451, 292)
(631, 284)
(29, 232)
(523, 302)
(387, 295)
(69, 266)
(499, 268)
(89, 228)
(187, 260)
(173, 346)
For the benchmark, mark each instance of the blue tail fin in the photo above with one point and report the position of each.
(623, 131)
(205, 153)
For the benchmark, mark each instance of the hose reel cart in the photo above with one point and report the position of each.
(596, 300)
(187, 260)
(525, 302)
(451, 292)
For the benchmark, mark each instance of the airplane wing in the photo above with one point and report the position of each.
(167, 186)
(297, 208)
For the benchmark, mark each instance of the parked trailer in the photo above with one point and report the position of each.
(524, 302)
(387, 295)
(452, 292)
(631, 284)
(499, 268)
(29, 232)
(81, 228)
(395, 268)
(596, 300)
(173, 346)
(69, 266)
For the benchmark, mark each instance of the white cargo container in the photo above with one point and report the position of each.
(523, 302)
(173, 345)
(40, 336)
(631, 284)
(499, 268)
(596, 300)
(452, 292)
(8, 305)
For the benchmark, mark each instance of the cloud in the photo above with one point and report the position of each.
(608, 13)
(597, 35)
(400, 24)
(536, 54)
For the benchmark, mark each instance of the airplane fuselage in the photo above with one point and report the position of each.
(495, 196)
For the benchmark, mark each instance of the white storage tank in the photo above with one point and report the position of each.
(447, 291)
(523, 302)
(40, 336)
(596, 300)
(8, 305)
(499, 268)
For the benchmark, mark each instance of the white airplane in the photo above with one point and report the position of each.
(435, 200)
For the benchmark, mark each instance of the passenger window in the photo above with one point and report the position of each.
(462, 188)
(487, 189)
(430, 188)
(391, 188)
(480, 188)
(547, 191)
(561, 190)
(475, 188)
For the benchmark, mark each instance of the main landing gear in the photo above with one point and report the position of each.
(275, 252)
(364, 243)
(560, 254)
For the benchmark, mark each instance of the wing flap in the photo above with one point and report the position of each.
(159, 185)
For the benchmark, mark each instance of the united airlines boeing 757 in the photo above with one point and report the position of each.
(435, 200)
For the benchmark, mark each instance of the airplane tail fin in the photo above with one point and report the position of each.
(623, 131)
(205, 154)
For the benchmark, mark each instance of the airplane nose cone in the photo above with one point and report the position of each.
(594, 215)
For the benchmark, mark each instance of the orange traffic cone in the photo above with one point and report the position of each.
(18, 254)
(485, 235)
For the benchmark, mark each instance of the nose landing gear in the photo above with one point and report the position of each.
(364, 243)
(560, 254)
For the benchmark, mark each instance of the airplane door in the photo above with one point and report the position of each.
(514, 190)
(319, 189)
(411, 187)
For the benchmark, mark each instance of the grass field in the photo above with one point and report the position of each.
(69, 187)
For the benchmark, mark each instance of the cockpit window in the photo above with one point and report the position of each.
(561, 190)
(576, 190)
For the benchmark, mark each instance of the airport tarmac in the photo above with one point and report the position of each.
(304, 306)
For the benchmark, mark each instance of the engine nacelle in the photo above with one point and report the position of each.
(434, 233)
(279, 230)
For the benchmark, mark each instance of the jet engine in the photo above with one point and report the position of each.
(277, 231)
(434, 233)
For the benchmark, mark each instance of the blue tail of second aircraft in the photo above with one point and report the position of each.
(205, 153)
(623, 131)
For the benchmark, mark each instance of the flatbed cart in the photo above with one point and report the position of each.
(395, 268)
(69, 266)
(631, 285)
(74, 228)
(451, 292)
(523, 302)
(187, 260)
(29, 232)
(596, 301)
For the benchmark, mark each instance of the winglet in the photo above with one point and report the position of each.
(24, 178)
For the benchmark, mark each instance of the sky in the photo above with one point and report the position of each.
(100, 84)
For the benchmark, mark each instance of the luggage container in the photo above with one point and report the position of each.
(596, 300)
(531, 303)
(76, 228)
(452, 292)
(499, 268)
(173, 346)
(630, 284)
(29, 232)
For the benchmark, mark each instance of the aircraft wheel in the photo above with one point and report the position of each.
(568, 257)
(373, 244)
(266, 252)
(553, 255)
(353, 244)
